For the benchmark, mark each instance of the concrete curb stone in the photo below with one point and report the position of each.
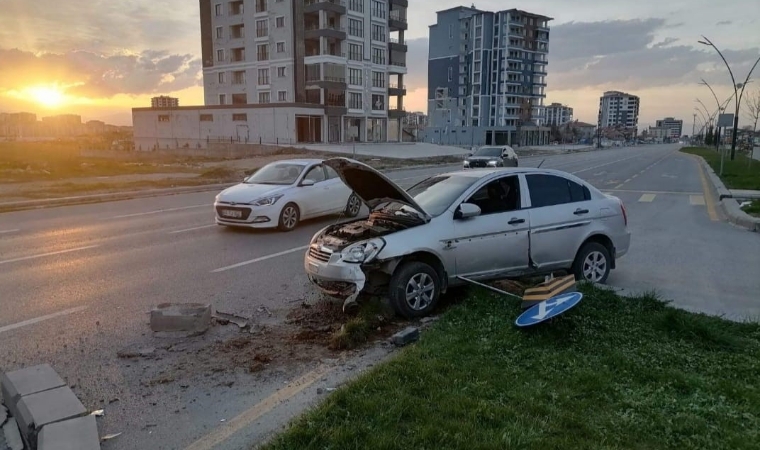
(11, 435)
(728, 205)
(47, 407)
(31, 380)
(75, 434)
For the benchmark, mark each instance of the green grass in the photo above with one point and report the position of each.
(612, 373)
(737, 174)
(753, 208)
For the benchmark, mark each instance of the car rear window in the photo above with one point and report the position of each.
(549, 190)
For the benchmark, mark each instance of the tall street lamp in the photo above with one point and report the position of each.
(738, 95)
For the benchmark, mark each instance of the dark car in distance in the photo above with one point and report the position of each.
(491, 156)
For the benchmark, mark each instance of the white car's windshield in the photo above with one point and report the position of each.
(281, 173)
(488, 151)
(436, 194)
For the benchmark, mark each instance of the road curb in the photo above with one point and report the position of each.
(728, 204)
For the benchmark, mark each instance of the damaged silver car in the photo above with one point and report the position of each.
(479, 225)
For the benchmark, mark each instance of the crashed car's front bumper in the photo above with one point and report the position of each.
(333, 276)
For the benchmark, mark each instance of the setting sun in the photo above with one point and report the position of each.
(47, 96)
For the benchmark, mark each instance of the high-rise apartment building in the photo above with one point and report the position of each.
(487, 77)
(164, 101)
(674, 125)
(558, 114)
(619, 110)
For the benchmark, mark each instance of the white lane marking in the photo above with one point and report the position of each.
(697, 200)
(8, 231)
(262, 258)
(605, 164)
(647, 198)
(41, 319)
(193, 229)
(158, 211)
(42, 255)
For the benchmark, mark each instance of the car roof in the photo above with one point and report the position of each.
(483, 173)
(301, 161)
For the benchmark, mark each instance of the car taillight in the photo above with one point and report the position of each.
(625, 213)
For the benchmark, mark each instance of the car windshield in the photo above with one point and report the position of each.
(281, 173)
(436, 194)
(488, 151)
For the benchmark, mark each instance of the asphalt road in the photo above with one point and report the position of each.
(76, 282)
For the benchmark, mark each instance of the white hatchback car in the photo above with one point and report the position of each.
(283, 193)
(473, 224)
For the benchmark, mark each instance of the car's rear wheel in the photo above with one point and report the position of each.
(353, 206)
(289, 217)
(414, 290)
(592, 263)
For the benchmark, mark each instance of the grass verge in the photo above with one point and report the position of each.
(753, 209)
(737, 174)
(611, 373)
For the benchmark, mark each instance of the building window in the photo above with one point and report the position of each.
(356, 5)
(220, 55)
(238, 54)
(280, 47)
(222, 99)
(355, 100)
(241, 117)
(218, 9)
(282, 96)
(238, 77)
(355, 52)
(378, 55)
(263, 97)
(207, 117)
(279, 22)
(261, 6)
(378, 33)
(281, 72)
(378, 102)
(378, 9)
(355, 28)
(236, 8)
(237, 31)
(219, 32)
(262, 52)
(239, 99)
(378, 79)
(262, 28)
(263, 77)
(163, 118)
(355, 77)
(221, 77)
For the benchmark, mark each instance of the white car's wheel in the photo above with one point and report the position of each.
(289, 217)
(414, 290)
(353, 206)
(592, 263)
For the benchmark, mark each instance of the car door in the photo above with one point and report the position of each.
(560, 215)
(314, 200)
(338, 191)
(495, 243)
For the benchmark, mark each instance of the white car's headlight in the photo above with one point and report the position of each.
(267, 201)
(362, 252)
(466, 163)
(492, 163)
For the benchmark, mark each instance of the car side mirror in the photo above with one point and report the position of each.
(308, 183)
(467, 211)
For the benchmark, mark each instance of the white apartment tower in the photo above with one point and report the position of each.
(558, 114)
(332, 69)
(619, 109)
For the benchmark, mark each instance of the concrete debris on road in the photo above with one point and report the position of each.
(12, 435)
(406, 336)
(108, 437)
(224, 318)
(194, 318)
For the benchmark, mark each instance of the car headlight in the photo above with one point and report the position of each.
(267, 201)
(362, 252)
(492, 163)
(466, 163)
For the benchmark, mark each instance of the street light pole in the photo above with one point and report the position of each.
(737, 94)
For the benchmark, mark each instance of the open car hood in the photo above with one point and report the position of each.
(370, 185)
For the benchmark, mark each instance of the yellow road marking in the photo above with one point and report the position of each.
(711, 211)
(246, 418)
(697, 200)
(647, 198)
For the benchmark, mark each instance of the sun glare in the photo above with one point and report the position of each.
(47, 96)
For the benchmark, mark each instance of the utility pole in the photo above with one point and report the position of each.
(693, 126)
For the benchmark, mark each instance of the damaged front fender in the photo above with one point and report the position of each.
(347, 289)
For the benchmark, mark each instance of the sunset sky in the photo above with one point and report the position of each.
(99, 58)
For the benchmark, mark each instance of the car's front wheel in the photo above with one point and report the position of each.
(592, 263)
(414, 290)
(289, 217)
(353, 206)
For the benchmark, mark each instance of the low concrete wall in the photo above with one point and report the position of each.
(214, 150)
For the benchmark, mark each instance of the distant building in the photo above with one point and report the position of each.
(578, 131)
(416, 119)
(164, 101)
(675, 126)
(618, 110)
(659, 134)
(487, 77)
(558, 114)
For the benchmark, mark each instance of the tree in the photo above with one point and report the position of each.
(752, 105)
(709, 136)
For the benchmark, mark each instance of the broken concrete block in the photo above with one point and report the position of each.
(74, 434)
(406, 336)
(28, 381)
(43, 408)
(3, 414)
(181, 317)
(12, 435)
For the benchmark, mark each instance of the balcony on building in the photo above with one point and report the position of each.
(237, 31)
(401, 3)
(395, 89)
(335, 6)
(395, 112)
(326, 76)
(335, 102)
(236, 8)
(397, 44)
(397, 62)
(328, 26)
(327, 48)
(397, 19)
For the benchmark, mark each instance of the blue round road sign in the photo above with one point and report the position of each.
(548, 308)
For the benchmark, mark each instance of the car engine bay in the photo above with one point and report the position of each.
(380, 222)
